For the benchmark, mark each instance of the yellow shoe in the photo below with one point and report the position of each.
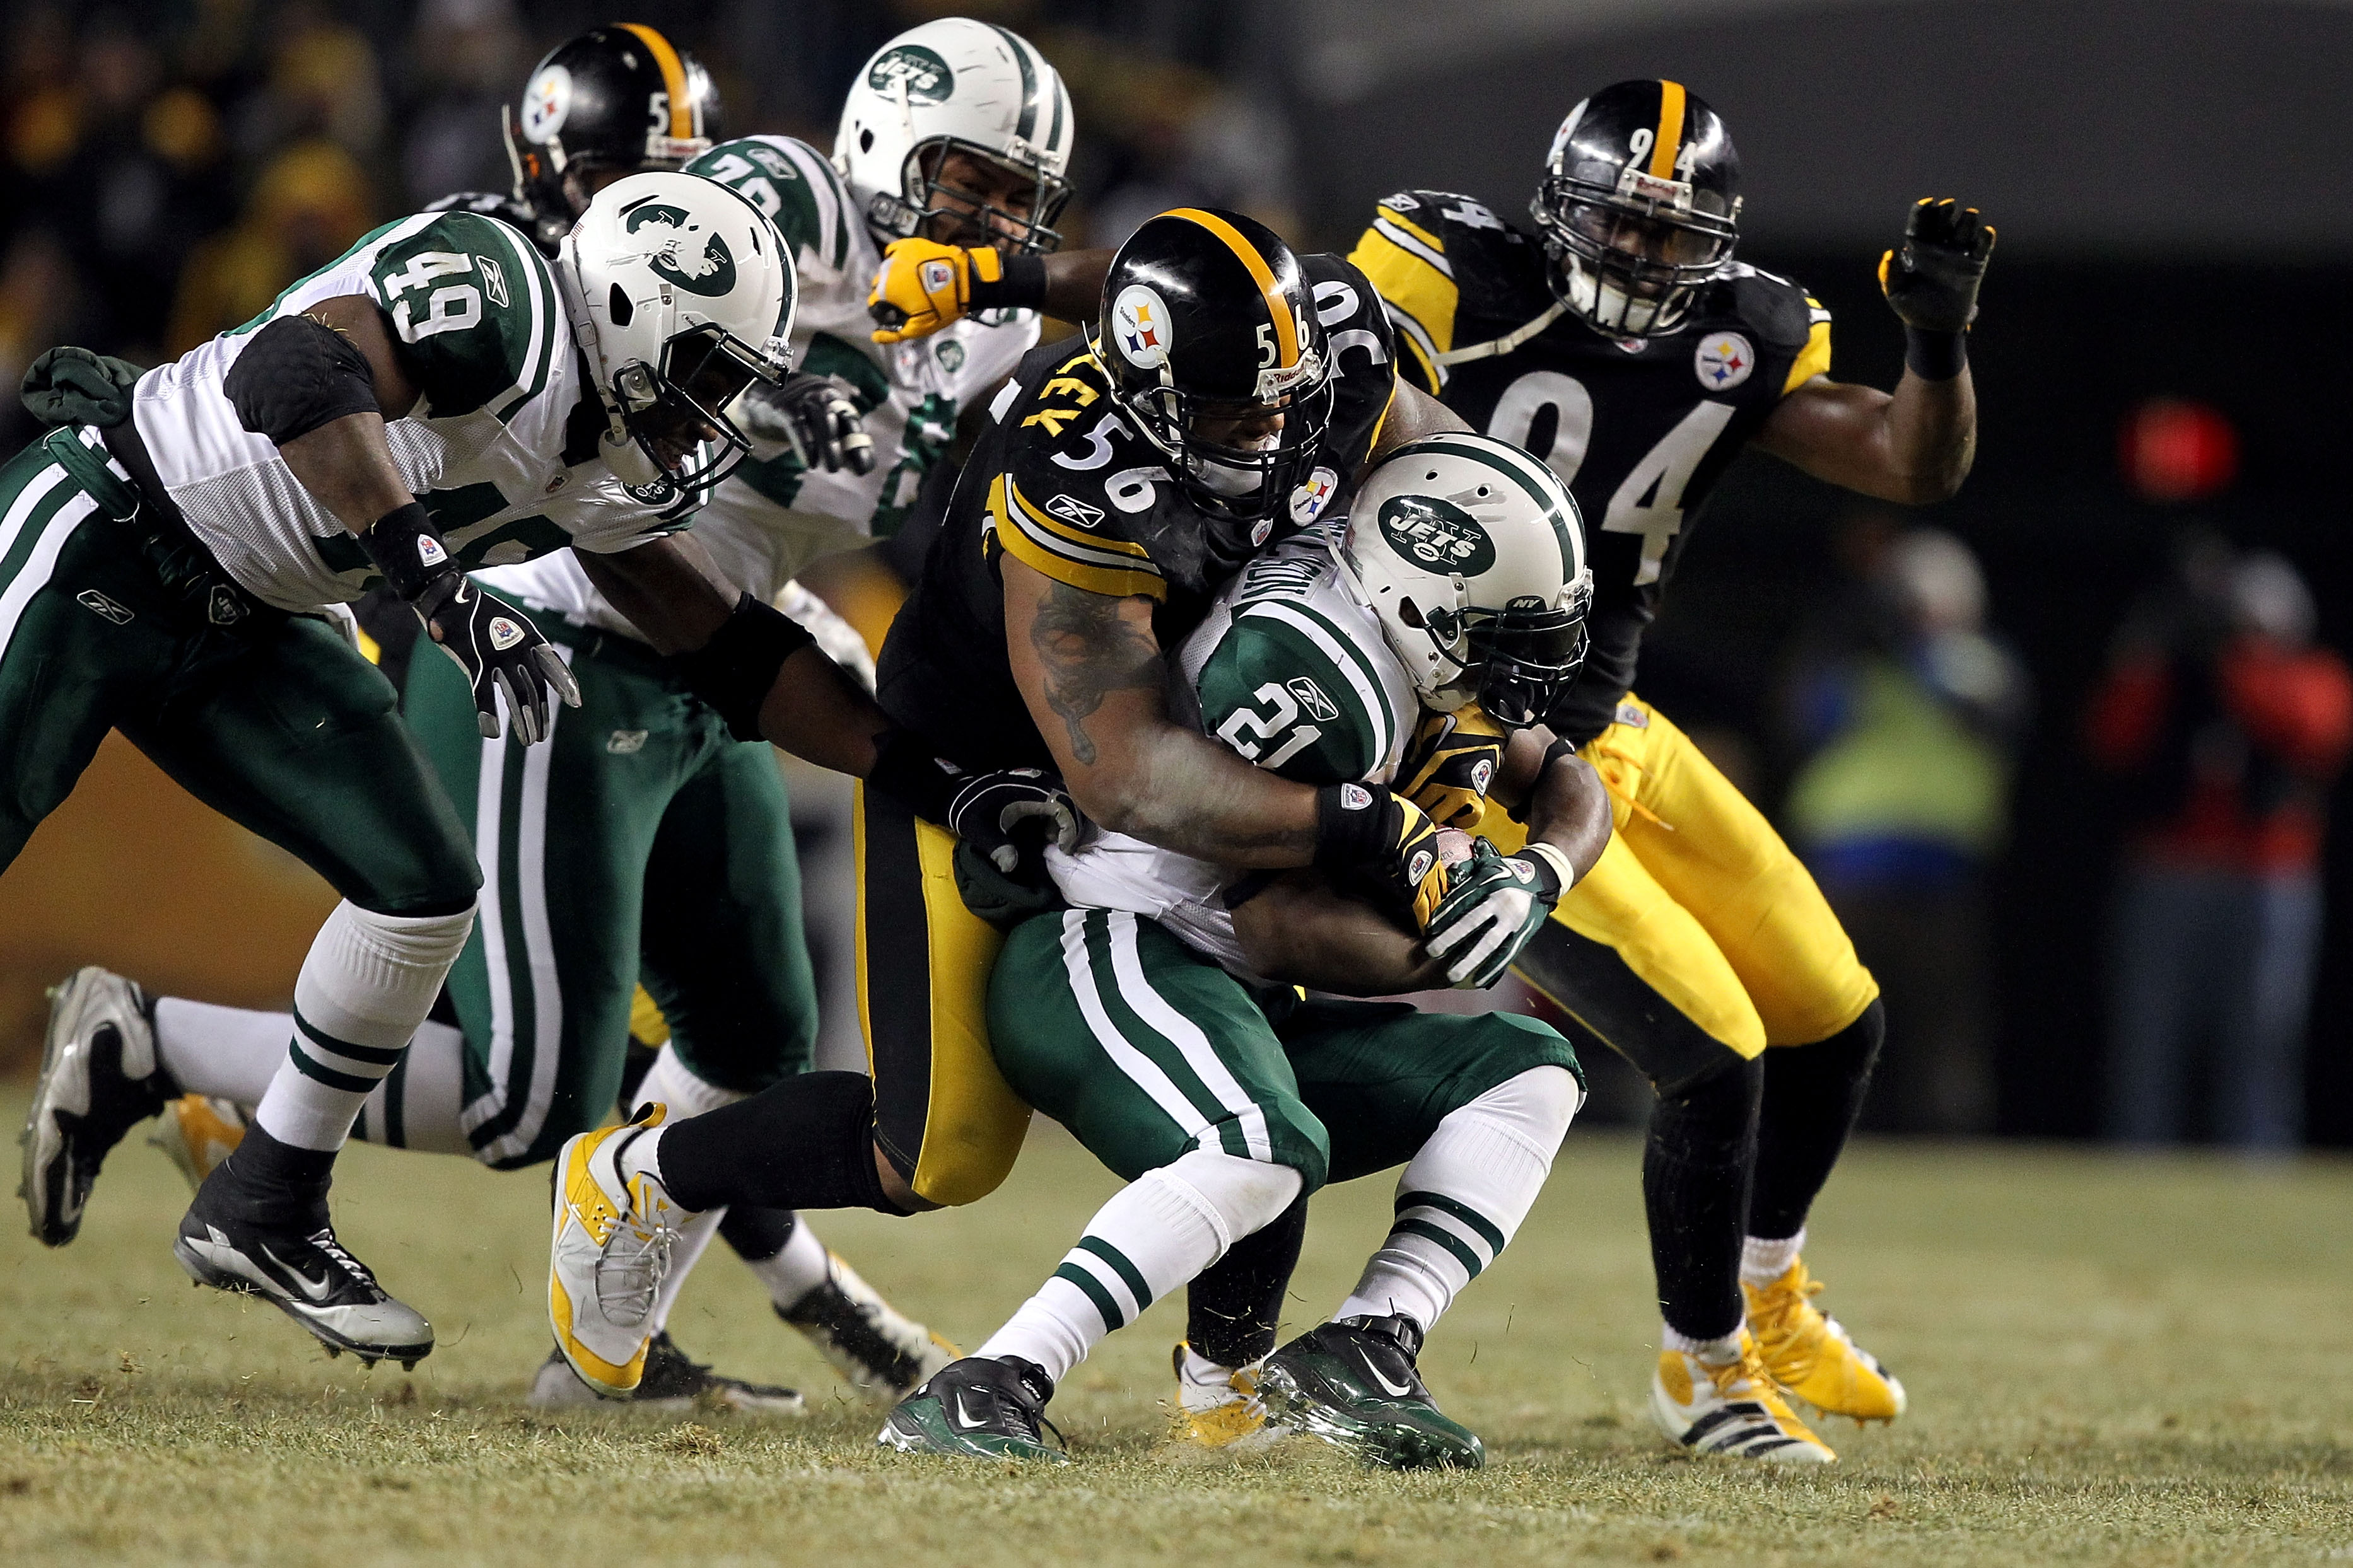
(198, 1132)
(1733, 1408)
(607, 1258)
(1226, 1415)
(1811, 1356)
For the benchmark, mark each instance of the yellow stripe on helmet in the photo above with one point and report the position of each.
(682, 101)
(1286, 331)
(1670, 139)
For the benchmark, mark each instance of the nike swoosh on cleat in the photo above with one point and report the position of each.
(961, 1415)
(317, 1292)
(1396, 1390)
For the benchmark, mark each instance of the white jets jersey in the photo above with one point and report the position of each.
(485, 334)
(772, 517)
(1290, 670)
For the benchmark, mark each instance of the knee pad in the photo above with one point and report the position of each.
(1237, 1198)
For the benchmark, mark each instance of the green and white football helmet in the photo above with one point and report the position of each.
(681, 295)
(1473, 555)
(956, 85)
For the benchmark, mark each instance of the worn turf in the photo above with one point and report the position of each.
(2109, 1361)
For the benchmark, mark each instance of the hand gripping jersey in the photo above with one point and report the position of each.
(1640, 430)
(488, 448)
(772, 517)
(1289, 669)
(1062, 482)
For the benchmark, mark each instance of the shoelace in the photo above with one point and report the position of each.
(323, 1240)
(629, 1278)
(1782, 1324)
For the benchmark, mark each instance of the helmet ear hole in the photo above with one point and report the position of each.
(1410, 614)
(622, 310)
(866, 139)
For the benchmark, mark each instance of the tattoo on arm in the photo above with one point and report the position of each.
(1087, 652)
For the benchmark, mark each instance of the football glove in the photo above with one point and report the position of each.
(1011, 817)
(813, 415)
(1931, 282)
(1369, 837)
(1493, 904)
(1448, 766)
(923, 286)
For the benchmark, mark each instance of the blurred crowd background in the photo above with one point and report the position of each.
(2063, 752)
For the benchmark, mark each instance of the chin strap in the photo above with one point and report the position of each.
(1495, 347)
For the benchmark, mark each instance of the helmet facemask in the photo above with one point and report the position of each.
(1631, 252)
(675, 417)
(972, 218)
(1242, 483)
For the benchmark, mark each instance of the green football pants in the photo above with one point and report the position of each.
(274, 720)
(1144, 1049)
(640, 839)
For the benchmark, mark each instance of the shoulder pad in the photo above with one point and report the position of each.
(1078, 486)
(794, 184)
(1282, 690)
(1772, 306)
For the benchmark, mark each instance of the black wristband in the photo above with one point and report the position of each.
(1936, 357)
(408, 549)
(908, 770)
(296, 374)
(1021, 286)
(734, 671)
(1552, 753)
(1351, 825)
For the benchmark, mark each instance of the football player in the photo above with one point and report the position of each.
(1227, 392)
(647, 836)
(1623, 344)
(439, 400)
(1159, 1017)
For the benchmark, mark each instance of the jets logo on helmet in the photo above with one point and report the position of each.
(1472, 558)
(1140, 327)
(957, 86)
(711, 273)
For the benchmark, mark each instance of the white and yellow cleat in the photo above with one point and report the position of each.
(197, 1132)
(1812, 1356)
(1732, 1408)
(607, 1256)
(1218, 1407)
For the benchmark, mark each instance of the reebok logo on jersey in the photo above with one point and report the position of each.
(626, 742)
(1723, 361)
(494, 280)
(429, 551)
(1071, 508)
(1317, 706)
(92, 600)
(504, 633)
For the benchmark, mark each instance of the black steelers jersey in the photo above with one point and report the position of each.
(1640, 430)
(1063, 482)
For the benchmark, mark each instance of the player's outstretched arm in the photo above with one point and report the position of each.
(1915, 446)
(923, 286)
(1300, 930)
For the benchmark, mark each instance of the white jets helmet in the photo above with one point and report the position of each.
(681, 294)
(1473, 555)
(956, 85)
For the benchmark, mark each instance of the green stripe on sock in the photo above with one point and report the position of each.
(1129, 1274)
(1479, 1224)
(1447, 1239)
(328, 1075)
(1095, 1292)
(375, 1055)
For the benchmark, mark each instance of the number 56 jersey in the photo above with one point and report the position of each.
(1640, 430)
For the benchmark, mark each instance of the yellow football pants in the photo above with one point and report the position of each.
(1696, 903)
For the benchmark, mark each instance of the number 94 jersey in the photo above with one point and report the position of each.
(1640, 430)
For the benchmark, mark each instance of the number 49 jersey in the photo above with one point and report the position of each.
(1638, 430)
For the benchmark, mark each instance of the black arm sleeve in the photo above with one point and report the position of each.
(296, 375)
(735, 669)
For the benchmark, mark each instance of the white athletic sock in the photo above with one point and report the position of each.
(1463, 1195)
(364, 987)
(641, 1156)
(1202, 1383)
(1156, 1233)
(799, 1268)
(229, 1053)
(675, 1085)
(430, 1084)
(1763, 1261)
(1716, 1352)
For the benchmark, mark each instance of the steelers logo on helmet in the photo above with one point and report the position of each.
(1140, 326)
(920, 72)
(547, 103)
(1436, 533)
(1308, 502)
(1723, 361)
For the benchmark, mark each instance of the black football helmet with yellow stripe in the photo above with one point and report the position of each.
(1639, 206)
(1208, 333)
(621, 98)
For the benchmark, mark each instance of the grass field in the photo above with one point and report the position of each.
(2109, 1361)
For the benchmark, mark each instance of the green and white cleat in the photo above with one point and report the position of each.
(982, 1408)
(1355, 1384)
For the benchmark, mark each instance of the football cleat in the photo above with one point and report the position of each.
(1225, 1413)
(982, 1408)
(673, 1381)
(1810, 1354)
(882, 1352)
(1355, 1384)
(300, 1269)
(1732, 1408)
(197, 1132)
(607, 1256)
(99, 1078)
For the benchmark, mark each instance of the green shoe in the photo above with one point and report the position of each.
(1353, 1383)
(982, 1408)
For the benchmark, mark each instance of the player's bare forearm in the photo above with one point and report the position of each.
(1413, 415)
(1300, 930)
(1091, 672)
(1074, 283)
(1913, 446)
(1565, 803)
(346, 464)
